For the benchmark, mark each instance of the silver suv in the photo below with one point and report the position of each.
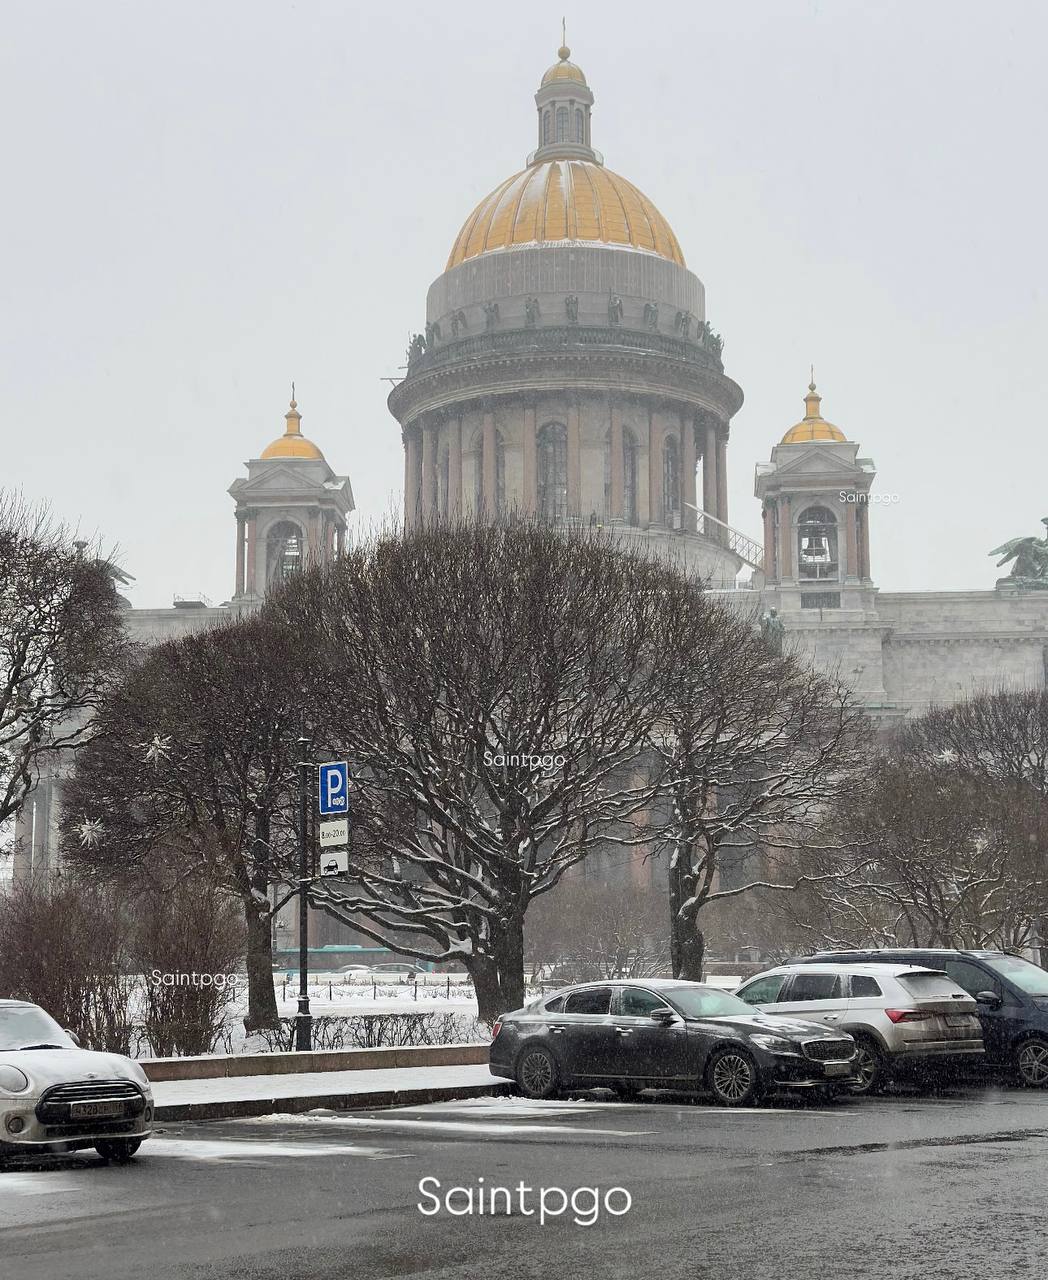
(900, 1016)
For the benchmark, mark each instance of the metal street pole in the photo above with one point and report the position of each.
(304, 1020)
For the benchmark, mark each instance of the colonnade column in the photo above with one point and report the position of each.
(251, 586)
(490, 476)
(240, 555)
(412, 478)
(656, 512)
(429, 471)
(530, 496)
(769, 542)
(709, 478)
(851, 560)
(689, 460)
(574, 459)
(722, 477)
(785, 539)
(618, 493)
(455, 469)
(862, 528)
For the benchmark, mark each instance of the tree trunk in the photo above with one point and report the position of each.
(687, 944)
(261, 992)
(498, 978)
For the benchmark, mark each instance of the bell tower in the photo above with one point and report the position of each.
(815, 496)
(291, 511)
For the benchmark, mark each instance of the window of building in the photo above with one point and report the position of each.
(547, 128)
(817, 544)
(285, 551)
(552, 458)
(671, 480)
(562, 124)
(595, 1000)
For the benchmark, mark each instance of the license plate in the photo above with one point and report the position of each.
(957, 1020)
(95, 1110)
(838, 1068)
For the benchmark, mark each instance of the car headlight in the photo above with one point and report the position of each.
(139, 1073)
(774, 1044)
(12, 1080)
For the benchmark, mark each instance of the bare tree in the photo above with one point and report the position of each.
(193, 765)
(940, 858)
(492, 688)
(62, 644)
(596, 930)
(750, 748)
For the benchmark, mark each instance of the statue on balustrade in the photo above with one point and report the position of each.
(1030, 561)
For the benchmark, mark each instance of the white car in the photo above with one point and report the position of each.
(56, 1096)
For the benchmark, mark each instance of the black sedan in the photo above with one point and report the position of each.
(665, 1034)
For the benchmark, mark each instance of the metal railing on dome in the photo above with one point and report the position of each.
(549, 337)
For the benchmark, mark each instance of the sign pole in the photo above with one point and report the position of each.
(304, 1019)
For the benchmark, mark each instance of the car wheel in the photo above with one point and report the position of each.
(1031, 1063)
(869, 1067)
(118, 1150)
(732, 1078)
(538, 1074)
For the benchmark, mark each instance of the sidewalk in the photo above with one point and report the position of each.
(226, 1098)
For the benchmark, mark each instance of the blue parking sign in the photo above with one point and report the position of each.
(333, 789)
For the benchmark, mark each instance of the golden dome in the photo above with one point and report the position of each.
(813, 426)
(564, 70)
(571, 201)
(293, 444)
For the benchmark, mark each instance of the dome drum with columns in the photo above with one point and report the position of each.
(568, 369)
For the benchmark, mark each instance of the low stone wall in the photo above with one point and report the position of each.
(218, 1066)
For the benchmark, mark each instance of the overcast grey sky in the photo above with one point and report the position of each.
(203, 201)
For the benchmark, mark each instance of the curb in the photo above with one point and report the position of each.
(245, 1108)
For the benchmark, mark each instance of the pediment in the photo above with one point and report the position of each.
(280, 478)
(816, 461)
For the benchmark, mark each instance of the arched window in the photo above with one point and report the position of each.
(552, 456)
(671, 481)
(547, 128)
(500, 473)
(562, 124)
(817, 544)
(580, 125)
(285, 551)
(629, 477)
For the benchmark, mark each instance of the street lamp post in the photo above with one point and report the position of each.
(304, 1019)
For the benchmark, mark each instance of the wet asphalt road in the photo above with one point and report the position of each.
(899, 1187)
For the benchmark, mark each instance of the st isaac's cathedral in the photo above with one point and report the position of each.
(567, 368)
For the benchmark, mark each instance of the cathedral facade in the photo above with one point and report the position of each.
(568, 370)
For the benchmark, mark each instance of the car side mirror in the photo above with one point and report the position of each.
(989, 998)
(664, 1017)
(74, 1037)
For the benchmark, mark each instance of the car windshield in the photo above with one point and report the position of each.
(705, 1002)
(25, 1026)
(1028, 977)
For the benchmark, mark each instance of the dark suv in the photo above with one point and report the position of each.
(1011, 996)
